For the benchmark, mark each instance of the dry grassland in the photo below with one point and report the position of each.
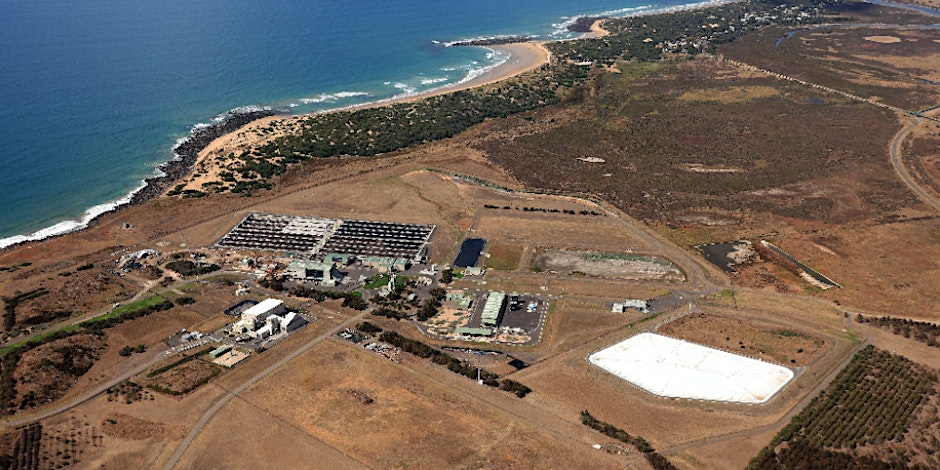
(574, 322)
(888, 341)
(243, 435)
(568, 382)
(138, 435)
(573, 231)
(604, 289)
(767, 342)
(412, 421)
(731, 454)
(730, 95)
(895, 259)
(922, 156)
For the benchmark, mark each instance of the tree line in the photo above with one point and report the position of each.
(453, 364)
(657, 461)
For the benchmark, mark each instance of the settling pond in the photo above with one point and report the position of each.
(470, 251)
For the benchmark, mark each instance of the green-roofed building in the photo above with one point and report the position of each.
(325, 273)
(459, 300)
(385, 263)
(466, 331)
(493, 308)
(215, 353)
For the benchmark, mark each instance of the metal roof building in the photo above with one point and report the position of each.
(493, 308)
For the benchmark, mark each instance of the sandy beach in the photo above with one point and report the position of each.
(597, 30)
(523, 57)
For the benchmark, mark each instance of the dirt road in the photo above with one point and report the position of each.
(901, 170)
(224, 399)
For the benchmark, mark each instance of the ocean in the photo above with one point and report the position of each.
(97, 93)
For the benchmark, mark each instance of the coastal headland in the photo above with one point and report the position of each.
(521, 58)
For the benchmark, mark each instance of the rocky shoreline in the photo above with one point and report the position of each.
(493, 41)
(584, 24)
(187, 152)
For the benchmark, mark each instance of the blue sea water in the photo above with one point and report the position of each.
(95, 93)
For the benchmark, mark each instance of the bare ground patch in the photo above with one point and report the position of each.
(420, 414)
(607, 264)
(130, 427)
(778, 344)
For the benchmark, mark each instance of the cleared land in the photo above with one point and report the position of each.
(322, 400)
(606, 264)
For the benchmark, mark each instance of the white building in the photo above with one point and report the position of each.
(256, 313)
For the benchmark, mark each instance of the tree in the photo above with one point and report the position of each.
(447, 276)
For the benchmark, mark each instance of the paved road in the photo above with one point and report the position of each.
(223, 400)
(901, 170)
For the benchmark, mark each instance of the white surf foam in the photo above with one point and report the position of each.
(333, 97)
(67, 226)
(485, 38)
(406, 88)
(72, 225)
(432, 81)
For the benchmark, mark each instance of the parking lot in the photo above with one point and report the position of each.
(524, 315)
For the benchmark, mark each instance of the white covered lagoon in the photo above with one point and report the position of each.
(672, 368)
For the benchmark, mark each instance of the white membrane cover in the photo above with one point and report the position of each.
(678, 369)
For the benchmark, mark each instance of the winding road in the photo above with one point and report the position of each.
(898, 163)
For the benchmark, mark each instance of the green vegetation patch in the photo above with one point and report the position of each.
(130, 311)
(187, 268)
(376, 282)
(112, 318)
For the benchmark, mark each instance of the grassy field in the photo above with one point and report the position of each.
(503, 256)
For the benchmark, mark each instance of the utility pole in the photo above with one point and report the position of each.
(733, 298)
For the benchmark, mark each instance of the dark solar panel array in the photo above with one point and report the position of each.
(355, 237)
(368, 238)
(266, 233)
